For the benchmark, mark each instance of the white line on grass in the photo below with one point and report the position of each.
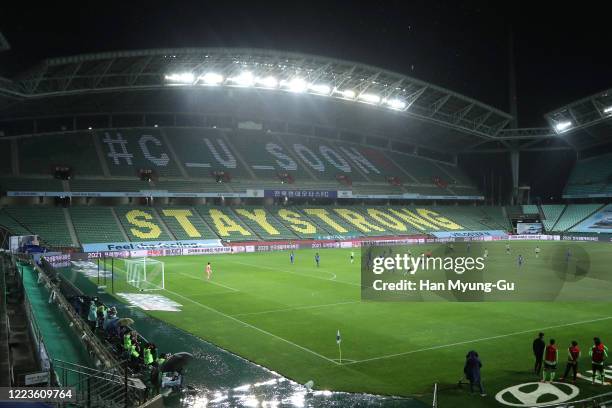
(253, 327)
(478, 340)
(208, 281)
(289, 309)
(333, 279)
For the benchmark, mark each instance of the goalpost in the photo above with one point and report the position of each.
(144, 273)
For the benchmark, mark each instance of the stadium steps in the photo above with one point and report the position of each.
(496, 217)
(162, 223)
(301, 165)
(283, 231)
(47, 222)
(73, 235)
(13, 225)
(173, 155)
(120, 225)
(201, 228)
(101, 158)
(239, 156)
(204, 212)
(551, 214)
(144, 233)
(322, 226)
(96, 225)
(574, 214)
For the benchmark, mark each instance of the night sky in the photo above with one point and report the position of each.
(562, 51)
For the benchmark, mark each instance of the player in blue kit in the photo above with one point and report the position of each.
(317, 259)
(292, 257)
(520, 260)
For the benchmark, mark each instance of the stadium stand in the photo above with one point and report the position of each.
(126, 151)
(47, 222)
(322, 159)
(10, 224)
(142, 224)
(552, 212)
(495, 218)
(573, 214)
(591, 176)
(376, 165)
(265, 155)
(118, 185)
(185, 223)
(422, 170)
(30, 184)
(95, 225)
(40, 154)
(204, 151)
(229, 227)
(271, 228)
(530, 209)
(472, 218)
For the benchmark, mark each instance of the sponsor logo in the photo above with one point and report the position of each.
(536, 394)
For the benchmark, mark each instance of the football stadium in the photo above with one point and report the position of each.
(201, 227)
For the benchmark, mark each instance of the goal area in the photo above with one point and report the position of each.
(145, 273)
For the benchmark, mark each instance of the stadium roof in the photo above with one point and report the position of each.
(585, 123)
(292, 72)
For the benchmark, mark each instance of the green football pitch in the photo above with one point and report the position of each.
(285, 317)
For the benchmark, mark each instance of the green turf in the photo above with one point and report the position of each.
(285, 317)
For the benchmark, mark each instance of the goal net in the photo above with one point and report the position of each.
(145, 273)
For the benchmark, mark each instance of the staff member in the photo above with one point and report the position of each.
(538, 352)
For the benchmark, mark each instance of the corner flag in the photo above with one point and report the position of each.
(338, 338)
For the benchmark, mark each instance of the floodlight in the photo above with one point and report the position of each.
(268, 82)
(348, 94)
(562, 126)
(608, 109)
(320, 89)
(297, 85)
(246, 78)
(212, 78)
(396, 104)
(184, 77)
(370, 98)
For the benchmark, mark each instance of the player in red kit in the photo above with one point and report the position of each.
(599, 354)
(551, 356)
(573, 355)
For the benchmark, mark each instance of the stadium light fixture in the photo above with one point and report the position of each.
(183, 78)
(245, 78)
(396, 104)
(320, 89)
(212, 78)
(563, 126)
(268, 82)
(348, 94)
(369, 98)
(608, 109)
(297, 85)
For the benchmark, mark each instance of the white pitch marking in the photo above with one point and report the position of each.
(501, 336)
(253, 327)
(208, 281)
(289, 309)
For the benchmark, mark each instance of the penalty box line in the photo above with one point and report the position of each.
(314, 353)
(501, 336)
